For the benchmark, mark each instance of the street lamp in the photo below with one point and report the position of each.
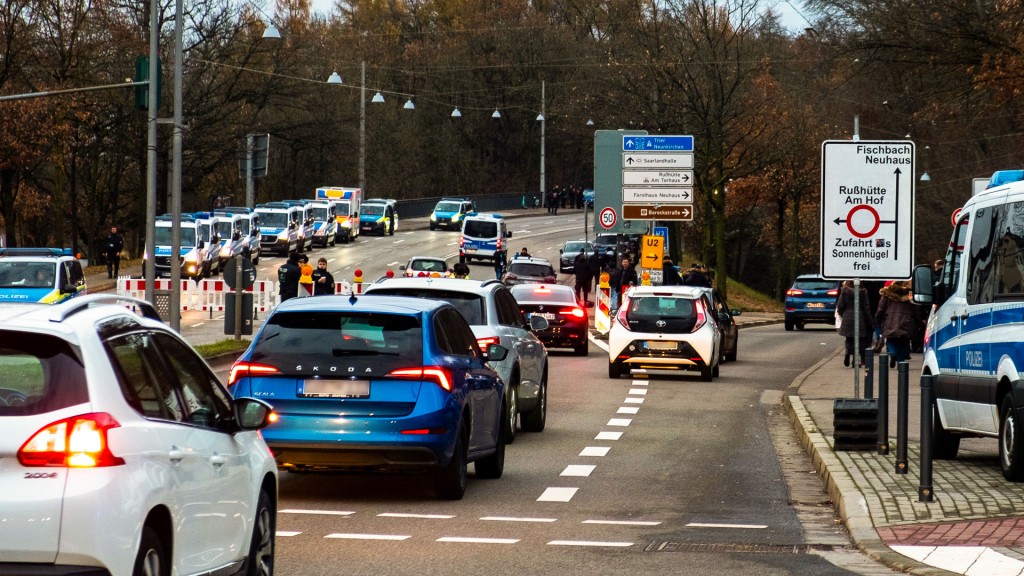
(540, 118)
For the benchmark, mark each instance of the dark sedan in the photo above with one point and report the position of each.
(569, 252)
(568, 322)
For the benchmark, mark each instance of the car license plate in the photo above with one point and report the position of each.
(470, 250)
(815, 304)
(545, 315)
(335, 389)
(662, 345)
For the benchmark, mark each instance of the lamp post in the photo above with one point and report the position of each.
(362, 126)
(150, 264)
(543, 196)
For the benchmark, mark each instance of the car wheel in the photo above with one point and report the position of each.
(706, 374)
(433, 227)
(151, 559)
(261, 547)
(1011, 443)
(583, 349)
(944, 444)
(800, 326)
(510, 412)
(491, 467)
(715, 370)
(614, 369)
(730, 356)
(789, 325)
(535, 420)
(450, 481)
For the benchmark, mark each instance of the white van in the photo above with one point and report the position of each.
(974, 343)
(484, 238)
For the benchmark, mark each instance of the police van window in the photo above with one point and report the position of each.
(1009, 252)
(951, 267)
(980, 277)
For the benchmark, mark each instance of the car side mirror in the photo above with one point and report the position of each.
(201, 245)
(496, 352)
(923, 292)
(736, 312)
(237, 236)
(508, 234)
(402, 267)
(538, 323)
(68, 289)
(561, 251)
(252, 413)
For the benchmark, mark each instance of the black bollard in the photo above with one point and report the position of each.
(925, 490)
(869, 375)
(902, 399)
(883, 404)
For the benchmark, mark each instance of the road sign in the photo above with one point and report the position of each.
(658, 177)
(663, 232)
(657, 143)
(608, 165)
(955, 216)
(248, 273)
(682, 212)
(657, 160)
(651, 250)
(867, 209)
(607, 218)
(658, 195)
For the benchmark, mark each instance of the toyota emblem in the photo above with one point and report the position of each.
(660, 323)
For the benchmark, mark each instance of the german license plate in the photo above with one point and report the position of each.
(662, 345)
(815, 304)
(335, 389)
(545, 315)
(470, 250)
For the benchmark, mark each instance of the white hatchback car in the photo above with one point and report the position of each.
(121, 453)
(664, 328)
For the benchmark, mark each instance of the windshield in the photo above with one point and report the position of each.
(448, 207)
(204, 232)
(609, 240)
(342, 209)
(320, 214)
(27, 274)
(429, 265)
(575, 247)
(274, 219)
(224, 229)
(243, 225)
(163, 236)
(373, 209)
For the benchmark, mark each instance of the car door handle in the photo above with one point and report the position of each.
(176, 455)
(218, 460)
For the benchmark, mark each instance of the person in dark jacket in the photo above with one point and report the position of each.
(621, 279)
(323, 281)
(896, 315)
(697, 276)
(112, 247)
(288, 277)
(847, 311)
(581, 268)
(669, 274)
(596, 264)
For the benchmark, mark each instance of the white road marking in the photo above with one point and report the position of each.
(451, 244)
(583, 470)
(739, 526)
(198, 324)
(391, 263)
(599, 343)
(619, 422)
(426, 516)
(608, 436)
(589, 543)
(398, 241)
(368, 536)
(286, 533)
(322, 512)
(634, 400)
(514, 519)
(557, 495)
(623, 522)
(477, 540)
(598, 451)
(627, 410)
(639, 382)
(410, 232)
(638, 391)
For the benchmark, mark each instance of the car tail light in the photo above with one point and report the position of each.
(76, 442)
(621, 316)
(794, 292)
(512, 277)
(832, 293)
(574, 311)
(437, 374)
(702, 316)
(483, 343)
(243, 369)
(550, 279)
(499, 244)
(542, 290)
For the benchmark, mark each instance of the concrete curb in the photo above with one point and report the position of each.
(847, 498)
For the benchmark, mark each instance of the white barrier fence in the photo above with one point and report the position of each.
(209, 295)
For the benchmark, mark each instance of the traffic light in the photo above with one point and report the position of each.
(141, 75)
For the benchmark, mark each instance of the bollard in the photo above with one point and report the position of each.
(925, 490)
(869, 375)
(902, 399)
(883, 404)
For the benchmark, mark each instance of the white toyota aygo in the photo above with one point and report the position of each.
(121, 453)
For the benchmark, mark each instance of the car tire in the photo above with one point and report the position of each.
(789, 325)
(583, 349)
(261, 546)
(614, 369)
(1011, 441)
(491, 467)
(706, 374)
(944, 444)
(800, 326)
(152, 558)
(536, 420)
(730, 356)
(715, 371)
(510, 411)
(433, 227)
(450, 481)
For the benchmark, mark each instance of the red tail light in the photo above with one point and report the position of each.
(702, 316)
(794, 292)
(542, 290)
(512, 277)
(243, 369)
(440, 376)
(483, 343)
(76, 442)
(832, 293)
(621, 316)
(550, 279)
(499, 244)
(574, 312)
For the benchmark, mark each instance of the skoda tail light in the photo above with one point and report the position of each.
(243, 369)
(436, 374)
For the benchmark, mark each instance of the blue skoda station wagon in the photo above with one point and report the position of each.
(377, 384)
(811, 299)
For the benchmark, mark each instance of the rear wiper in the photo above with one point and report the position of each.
(350, 352)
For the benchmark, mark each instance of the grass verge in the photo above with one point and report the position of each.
(750, 300)
(223, 347)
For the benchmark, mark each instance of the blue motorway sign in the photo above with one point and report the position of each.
(657, 143)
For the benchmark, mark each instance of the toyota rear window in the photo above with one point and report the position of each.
(41, 374)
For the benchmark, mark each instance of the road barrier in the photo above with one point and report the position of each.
(602, 316)
(136, 288)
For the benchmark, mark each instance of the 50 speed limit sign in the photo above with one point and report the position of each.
(607, 218)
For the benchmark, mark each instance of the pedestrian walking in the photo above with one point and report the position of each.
(581, 269)
(112, 248)
(622, 278)
(595, 262)
(323, 281)
(288, 277)
(847, 326)
(669, 275)
(896, 316)
(499, 264)
(697, 276)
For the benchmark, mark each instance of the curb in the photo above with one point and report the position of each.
(847, 497)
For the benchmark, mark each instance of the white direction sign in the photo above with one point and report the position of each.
(657, 177)
(658, 195)
(867, 209)
(679, 160)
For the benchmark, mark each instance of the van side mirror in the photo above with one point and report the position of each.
(508, 234)
(924, 289)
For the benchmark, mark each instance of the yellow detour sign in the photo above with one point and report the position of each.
(651, 251)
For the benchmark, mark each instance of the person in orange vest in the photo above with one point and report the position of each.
(306, 279)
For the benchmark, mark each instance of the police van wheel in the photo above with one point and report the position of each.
(1011, 441)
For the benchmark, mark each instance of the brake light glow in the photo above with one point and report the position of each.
(621, 316)
(832, 293)
(574, 312)
(439, 375)
(243, 369)
(794, 292)
(702, 317)
(542, 290)
(76, 442)
(483, 343)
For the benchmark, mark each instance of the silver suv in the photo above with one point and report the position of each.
(495, 318)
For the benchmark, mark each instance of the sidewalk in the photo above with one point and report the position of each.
(974, 526)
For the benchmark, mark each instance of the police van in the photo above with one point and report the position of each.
(40, 275)
(484, 238)
(379, 216)
(974, 343)
(279, 227)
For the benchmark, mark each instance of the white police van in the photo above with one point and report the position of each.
(40, 275)
(483, 238)
(974, 343)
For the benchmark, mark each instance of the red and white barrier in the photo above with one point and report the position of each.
(136, 288)
(213, 295)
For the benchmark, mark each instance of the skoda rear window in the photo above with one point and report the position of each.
(815, 284)
(381, 341)
(41, 374)
(481, 229)
(471, 306)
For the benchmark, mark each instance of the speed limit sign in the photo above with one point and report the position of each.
(607, 218)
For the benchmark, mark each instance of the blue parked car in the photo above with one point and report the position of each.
(377, 383)
(811, 299)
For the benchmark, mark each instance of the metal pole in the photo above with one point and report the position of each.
(175, 305)
(856, 339)
(362, 127)
(925, 490)
(250, 180)
(902, 399)
(543, 121)
(869, 374)
(240, 282)
(149, 272)
(883, 404)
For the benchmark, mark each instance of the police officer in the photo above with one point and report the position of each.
(288, 277)
(112, 250)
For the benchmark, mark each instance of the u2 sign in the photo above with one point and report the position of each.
(867, 209)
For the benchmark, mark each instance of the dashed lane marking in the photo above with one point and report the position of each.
(398, 241)
(624, 522)
(368, 536)
(323, 512)
(424, 516)
(608, 436)
(582, 470)
(639, 382)
(627, 410)
(515, 519)
(463, 540)
(391, 263)
(286, 533)
(638, 391)
(598, 451)
(557, 495)
(737, 526)
(634, 400)
(619, 422)
(589, 543)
